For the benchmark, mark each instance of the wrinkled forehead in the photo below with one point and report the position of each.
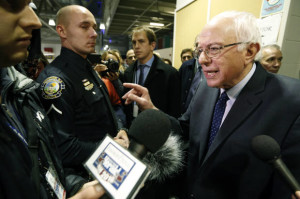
(219, 31)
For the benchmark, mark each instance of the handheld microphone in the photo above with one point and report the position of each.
(122, 172)
(148, 132)
(153, 142)
(268, 150)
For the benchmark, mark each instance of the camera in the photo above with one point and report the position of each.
(112, 65)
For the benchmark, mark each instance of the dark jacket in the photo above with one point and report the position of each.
(21, 112)
(78, 106)
(163, 84)
(186, 73)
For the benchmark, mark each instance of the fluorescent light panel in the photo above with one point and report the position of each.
(156, 24)
(51, 22)
(102, 26)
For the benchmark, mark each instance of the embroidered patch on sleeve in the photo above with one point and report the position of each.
(52, 87)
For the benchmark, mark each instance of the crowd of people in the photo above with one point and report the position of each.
(54, 115)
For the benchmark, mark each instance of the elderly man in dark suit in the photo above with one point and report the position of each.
(240, 101)
(162, 80)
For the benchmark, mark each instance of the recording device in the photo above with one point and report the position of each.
(268, 150)
(119, 170)
(112, 65)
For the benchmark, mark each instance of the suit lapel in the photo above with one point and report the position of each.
(153, 71)
(200, 113)
(245, 104)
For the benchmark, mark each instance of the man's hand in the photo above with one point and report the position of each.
(122, 138)
(138, 94)
(90, 190)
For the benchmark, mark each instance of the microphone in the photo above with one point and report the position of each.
(151, 155)
(149, 131)
(268, 150)
(154, 143)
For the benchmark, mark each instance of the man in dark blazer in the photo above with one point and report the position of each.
(221, 164)
(162, 80)
(189, 80)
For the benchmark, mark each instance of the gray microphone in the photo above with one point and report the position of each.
(268, 150)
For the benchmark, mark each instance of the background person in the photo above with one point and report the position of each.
(190, 75)
(163, 83)
(162, 80)
(186, 54)
(130, 57)
(271, 57)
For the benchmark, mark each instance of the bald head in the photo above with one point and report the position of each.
(76, 27)
(64, 15)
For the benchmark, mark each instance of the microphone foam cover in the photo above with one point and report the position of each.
(150, 128)
(265, 147)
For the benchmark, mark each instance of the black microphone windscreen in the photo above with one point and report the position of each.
(265, 147)
(150, 128)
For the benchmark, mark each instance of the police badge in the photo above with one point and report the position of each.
(52, 87)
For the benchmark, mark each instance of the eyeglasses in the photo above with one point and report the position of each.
(214, 50)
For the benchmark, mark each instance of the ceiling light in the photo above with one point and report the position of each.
(102, 26)
(156, 24)
(51, 22)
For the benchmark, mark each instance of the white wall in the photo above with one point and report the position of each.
(165, 53)
(289, 40)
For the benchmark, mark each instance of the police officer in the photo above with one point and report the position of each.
(74, 96)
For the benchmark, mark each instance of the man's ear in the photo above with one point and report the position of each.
(61, 31)
(251, 52)
(153, 44)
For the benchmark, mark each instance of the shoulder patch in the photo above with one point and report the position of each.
(52, 87)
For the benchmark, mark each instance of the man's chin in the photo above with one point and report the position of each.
(14, 59)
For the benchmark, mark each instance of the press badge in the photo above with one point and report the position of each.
(55, 184)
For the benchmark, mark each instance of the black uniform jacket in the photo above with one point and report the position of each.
(78, 106)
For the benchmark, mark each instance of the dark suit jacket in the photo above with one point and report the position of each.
(186, 74)
(268, 104)
(163, 84)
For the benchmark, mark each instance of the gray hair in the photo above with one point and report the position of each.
(274, 46)
(244, 24)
